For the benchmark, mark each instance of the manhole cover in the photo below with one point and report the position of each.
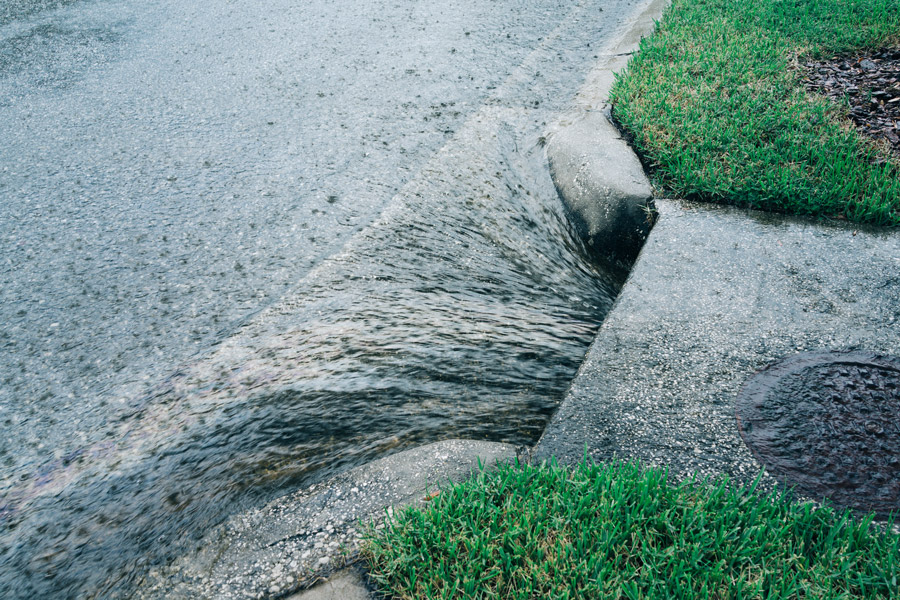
(829, 423)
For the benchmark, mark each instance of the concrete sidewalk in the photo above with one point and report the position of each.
(717, 294)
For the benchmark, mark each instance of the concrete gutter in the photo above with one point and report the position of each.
(307, 536)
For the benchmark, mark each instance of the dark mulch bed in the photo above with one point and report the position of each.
(869, 85)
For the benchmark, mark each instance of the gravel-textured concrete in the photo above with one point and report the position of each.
(716, 295)
(301, 538)
(344, 585)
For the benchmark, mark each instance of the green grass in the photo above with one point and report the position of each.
(620, 531)
(716, 107)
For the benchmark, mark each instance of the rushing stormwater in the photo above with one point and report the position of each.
(463, 311)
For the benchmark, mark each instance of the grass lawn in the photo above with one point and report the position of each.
(620, 531)
(716, 107)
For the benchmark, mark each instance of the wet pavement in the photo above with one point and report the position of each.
(717, 295)
(296, 540)
(168, 169)
(247, 246)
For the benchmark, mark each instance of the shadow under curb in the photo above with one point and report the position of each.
(603, 187)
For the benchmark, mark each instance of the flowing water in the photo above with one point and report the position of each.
(462, 311)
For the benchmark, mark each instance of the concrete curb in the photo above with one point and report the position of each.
(307, 536)
(597, 175)
(603, 187)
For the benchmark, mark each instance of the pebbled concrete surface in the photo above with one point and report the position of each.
(717, 294)
(344, 585)
(299, 539)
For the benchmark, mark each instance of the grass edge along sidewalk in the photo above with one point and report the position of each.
(714, 104)
(623, 531)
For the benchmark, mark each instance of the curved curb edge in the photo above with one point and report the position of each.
(304, 537)
(597, 175)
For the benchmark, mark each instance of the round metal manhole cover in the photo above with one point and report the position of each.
(829, 423)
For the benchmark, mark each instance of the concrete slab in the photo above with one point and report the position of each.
(344, 585)
(717, 294)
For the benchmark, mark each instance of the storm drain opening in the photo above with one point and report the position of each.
(829, 424)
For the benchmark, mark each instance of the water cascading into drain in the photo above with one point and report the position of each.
(463, 312)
